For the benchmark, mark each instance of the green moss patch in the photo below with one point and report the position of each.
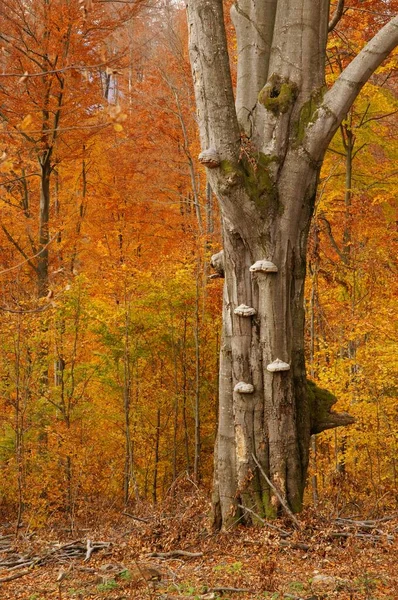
(307, 113)
(321, 401)
(278, 95)
(259, 182)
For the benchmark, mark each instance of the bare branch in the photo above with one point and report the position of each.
(331, 421)
(18, 247)
(82, 68)
(338, 13)
(331, 237)
(277, 494)
(274, 527)
(174, 553)
(342, 94)
(27, 311)
(29, 258)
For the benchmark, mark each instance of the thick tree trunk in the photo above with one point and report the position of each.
(263, 157)
(275, 420)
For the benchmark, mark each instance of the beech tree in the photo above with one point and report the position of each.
(263, 147)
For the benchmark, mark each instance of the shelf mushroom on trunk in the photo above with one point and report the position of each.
(245, 311)
(266, 266)
(210, 158)
(278, 365)
(244, 388)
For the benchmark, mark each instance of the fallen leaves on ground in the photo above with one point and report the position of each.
(246, 563)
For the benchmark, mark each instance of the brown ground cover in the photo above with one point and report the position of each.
(170, 553)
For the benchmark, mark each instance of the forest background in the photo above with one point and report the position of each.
(109, 319)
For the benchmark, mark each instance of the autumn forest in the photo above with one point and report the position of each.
(110, 313)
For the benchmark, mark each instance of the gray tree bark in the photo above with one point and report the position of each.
(266, 149)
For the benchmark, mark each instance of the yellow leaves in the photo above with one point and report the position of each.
(25, 123)
(117, 116)
(390, 64)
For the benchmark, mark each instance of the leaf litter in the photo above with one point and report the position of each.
(168, 552)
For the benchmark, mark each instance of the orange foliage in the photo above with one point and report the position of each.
(108, 385)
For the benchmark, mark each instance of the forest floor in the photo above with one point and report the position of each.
(170, 553)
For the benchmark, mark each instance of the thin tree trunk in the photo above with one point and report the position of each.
(129, 459)
(43, 263)
(184, 396)
(156, 464)
(314, 268)
(19, 429)
(44, 223)
(82, 211)
(176, 404)
(197, 381)
(209, 209)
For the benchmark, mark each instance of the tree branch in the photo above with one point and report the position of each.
(331, 237)
(29, 258)
(212, 78)
(338, 13)
(332, 420)
(346, 88)
(254, 25)
(277, 494)
(18, 247)
(342, 94)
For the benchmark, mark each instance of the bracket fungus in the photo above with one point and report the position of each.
(244, 388)
(210, 158)
(245, 311)
(278, 365)
(266, 266)
(217, 263)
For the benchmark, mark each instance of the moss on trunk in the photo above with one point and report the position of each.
(322, 417)
(278, 95)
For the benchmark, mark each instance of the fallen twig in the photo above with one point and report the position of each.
(270, 525)
(126, 514)
(61, 553)
(365, 536)
(369, 525)
(15, 576)
(228, 589)
(174, 553)
(295, 545)
(277, 494)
